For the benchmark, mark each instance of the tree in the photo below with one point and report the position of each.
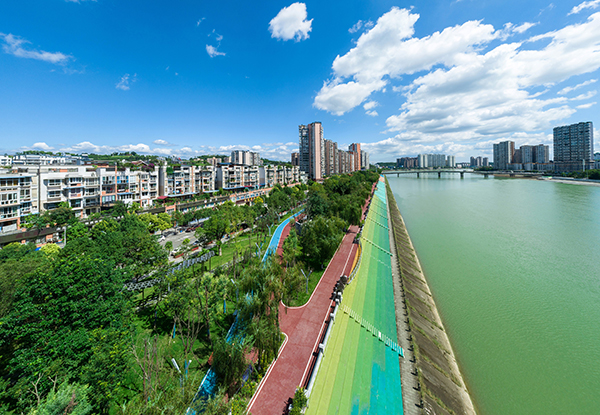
(320, 239)
(229, 362)
(299, 403)
(69, 398)
(316, 204)
(215, 228)
(49, 326)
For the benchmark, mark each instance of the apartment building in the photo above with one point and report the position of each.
(17, 196)
(282, 175)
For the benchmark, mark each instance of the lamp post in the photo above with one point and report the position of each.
(305, 276)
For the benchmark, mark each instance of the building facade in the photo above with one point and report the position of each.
(574, 147)
(503, 154)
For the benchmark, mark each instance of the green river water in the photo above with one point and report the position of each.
(514, 267)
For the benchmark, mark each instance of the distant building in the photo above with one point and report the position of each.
(486, 162)
(354, 148)
(331, 158)
(431, 160)
(541, 154)
(312, 154)
(503, 154)
(295, 159)
(364, 160)
(574, 147)
(451, 161)
(245, 157)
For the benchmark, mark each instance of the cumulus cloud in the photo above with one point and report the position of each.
(592, 4)
(369, 108)
(14, 45)
(41, 146)
(290, 23)
(125, 82)
(389, 50)
(462, 87)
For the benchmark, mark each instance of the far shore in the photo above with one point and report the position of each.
(581, 182)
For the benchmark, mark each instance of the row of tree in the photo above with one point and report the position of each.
(73, 340)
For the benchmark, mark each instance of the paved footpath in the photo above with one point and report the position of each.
(303, 327)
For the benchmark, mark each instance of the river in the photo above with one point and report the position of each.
(514, 267)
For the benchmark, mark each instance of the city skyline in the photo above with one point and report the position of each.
(194, 79)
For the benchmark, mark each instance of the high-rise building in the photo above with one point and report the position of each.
(295, 159)
(503, 154)
(541, 154)
(486, 162)
(312, 154)
(330, 167)
(526, 154)
(450, 161)
(354, 148)
(431, 160)
(574, 142)
(406, 162)
(364, 160)
(574, 147)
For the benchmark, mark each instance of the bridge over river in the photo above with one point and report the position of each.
(419, 172)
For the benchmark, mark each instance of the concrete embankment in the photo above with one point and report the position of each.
(440, 383)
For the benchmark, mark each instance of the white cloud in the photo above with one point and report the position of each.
(510, 29)
(13, 45)
(41, 146)
(290, 23)
(360, 24)
(389, 50)
(78, 1)
(160, 142)
(125, 82)
(200, 21)
(592, 4)
(212, 51)
(586, 106)
(568, 89)
(465, 90)
(585, 96)
(370, 105)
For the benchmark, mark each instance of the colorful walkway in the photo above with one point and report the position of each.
(303, 327)
(359, 373)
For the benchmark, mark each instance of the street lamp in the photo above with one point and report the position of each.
(305, 276)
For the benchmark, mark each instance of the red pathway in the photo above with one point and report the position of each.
(302, 327)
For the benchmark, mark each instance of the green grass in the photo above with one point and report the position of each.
(303, 296)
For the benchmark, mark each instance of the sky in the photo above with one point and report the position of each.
(189, 78)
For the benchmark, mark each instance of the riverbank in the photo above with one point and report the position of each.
(581, 182)
(441, 385)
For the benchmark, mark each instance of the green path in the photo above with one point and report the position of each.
(359, 374)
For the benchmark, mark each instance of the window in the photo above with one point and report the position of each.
(8, 198)
(9, 182)
(53, 194)
(54, 182)
(8, 212)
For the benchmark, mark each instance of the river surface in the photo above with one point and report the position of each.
(514, 267)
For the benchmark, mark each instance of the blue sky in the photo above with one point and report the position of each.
(191, 77)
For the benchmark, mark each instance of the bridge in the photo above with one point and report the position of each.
(509, 173)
